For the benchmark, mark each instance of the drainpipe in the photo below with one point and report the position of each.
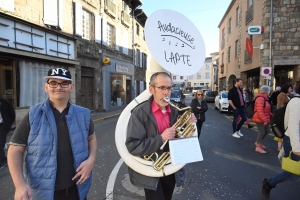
(271, 51)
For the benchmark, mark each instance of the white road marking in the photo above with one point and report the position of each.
(112, 180)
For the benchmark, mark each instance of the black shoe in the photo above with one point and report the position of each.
(3, 164)
(250, 126)
(266, 188)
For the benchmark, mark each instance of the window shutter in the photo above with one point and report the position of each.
(97, 28)
(141, 59)
(104, 28)
(117, 38)
(125, 42)
(78, 18)
(60, 14)
(135, 57)
(50, 12)
(148, 62)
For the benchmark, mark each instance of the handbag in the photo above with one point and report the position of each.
(290, 165)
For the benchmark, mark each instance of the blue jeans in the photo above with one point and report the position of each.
(236, 113)
(285, 176)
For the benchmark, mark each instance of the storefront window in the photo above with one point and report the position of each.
(7, 89)
(118, 89)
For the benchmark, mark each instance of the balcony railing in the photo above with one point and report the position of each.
(249, 14)
(111, 8)
(125, 19)
(247, 58)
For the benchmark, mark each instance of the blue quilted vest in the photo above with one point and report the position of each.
(40, 161)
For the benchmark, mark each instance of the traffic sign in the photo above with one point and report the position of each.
(255, 30)
(266, 72)
(249, 47)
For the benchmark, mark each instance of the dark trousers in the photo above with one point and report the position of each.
(199, 126)
(70, 193)
(236, 113)
(164, 191)
(3, 134)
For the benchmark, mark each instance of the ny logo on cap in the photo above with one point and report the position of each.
(56, 71)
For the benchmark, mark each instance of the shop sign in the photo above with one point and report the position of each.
(122, 69)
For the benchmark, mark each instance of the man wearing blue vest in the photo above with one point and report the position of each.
(59, 144)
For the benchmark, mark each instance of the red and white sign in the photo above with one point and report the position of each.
(249, 47)
(266, 72)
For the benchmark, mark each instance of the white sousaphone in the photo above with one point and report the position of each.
(180, 51)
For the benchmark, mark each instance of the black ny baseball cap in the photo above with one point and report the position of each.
(59, 73)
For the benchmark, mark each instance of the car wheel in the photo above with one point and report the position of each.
(220, 108)
(216, 107)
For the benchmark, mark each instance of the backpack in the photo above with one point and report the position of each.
(249, 107)
(277, 121)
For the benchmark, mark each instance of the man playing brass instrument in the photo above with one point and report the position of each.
(150, 125)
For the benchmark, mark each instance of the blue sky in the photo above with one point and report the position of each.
(205, 14)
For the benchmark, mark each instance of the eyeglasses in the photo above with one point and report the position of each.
(200, 94)
(55, 84)
(163, 88)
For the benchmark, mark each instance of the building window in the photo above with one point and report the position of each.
(223, 58)
(207, 75)
(223, 39)
(181, 77)
(229, 48)
(250, 3)
(237, 15)
(111, 38)
(198, 76)
(236, 48)
(191, 77)
(229, 26)
(207, 66)
(201, 84)
(174, 77)
(86, 25)
(137, 27)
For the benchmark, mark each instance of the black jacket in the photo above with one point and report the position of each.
(233, 95)
(196, 111)
(273, 98)
(8, 113)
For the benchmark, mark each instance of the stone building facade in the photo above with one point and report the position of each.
(235, 61)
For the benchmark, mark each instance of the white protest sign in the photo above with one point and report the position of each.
(185, 150)
(175, 42)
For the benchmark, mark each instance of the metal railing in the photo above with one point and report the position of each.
(125, 18)
(249, 14)
(111, 8)
(247, 58)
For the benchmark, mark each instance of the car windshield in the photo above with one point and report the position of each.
(224, 95)
(197, 88)
(175, 94)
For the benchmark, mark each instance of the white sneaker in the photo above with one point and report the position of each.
(239, 133)
(236, 135)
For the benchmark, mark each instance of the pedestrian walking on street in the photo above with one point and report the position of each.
(237, 103)
(7, 118)
(199, 107)
(262, 117)
(291, 142)
(149, 126)
(246, 99)
(59, 144)
(273, 98)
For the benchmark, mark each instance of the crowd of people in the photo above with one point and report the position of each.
(58, 161)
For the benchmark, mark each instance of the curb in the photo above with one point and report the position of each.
(105, 118)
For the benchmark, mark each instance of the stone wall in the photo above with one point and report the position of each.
(286, 32)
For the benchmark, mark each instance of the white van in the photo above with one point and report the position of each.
(195, 88)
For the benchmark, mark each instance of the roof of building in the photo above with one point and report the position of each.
(140, 16)
(227, 11)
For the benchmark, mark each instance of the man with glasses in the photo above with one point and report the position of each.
(59, 144)
(199, 107)
(150, 125)
(237, 103)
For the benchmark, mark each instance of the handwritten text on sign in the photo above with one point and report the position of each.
(175, 42)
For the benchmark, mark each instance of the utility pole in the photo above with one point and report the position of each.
(270, 46)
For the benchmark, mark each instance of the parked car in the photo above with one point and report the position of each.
(221, 101)
(177, 95)
(195, 88)
(210, 96)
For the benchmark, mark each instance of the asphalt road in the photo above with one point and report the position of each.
(231, 169)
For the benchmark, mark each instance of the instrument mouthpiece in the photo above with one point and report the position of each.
(167, 99)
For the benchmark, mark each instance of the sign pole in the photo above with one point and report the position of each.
(271, 52)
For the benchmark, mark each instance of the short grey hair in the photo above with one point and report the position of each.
(278, 88)
(153, 77)
(265, 89)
